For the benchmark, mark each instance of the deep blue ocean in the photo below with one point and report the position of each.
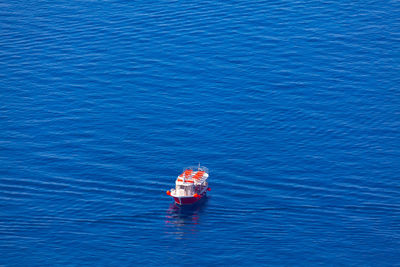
(294, 106)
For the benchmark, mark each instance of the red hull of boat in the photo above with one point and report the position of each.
(188, 200)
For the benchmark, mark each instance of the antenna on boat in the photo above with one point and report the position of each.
(199, 166)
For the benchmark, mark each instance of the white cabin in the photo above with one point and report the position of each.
(192, 181)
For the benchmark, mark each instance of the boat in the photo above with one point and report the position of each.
(191, 186)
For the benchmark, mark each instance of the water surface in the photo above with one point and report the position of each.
(294, 107)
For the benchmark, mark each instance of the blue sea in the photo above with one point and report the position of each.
(294, 106)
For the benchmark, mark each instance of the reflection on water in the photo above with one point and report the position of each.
(183, 220)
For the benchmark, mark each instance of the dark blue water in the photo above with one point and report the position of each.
(294, 106)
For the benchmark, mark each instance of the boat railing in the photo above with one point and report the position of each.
(197, 168)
